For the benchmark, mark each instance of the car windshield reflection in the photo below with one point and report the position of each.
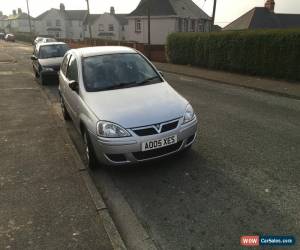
(107, 72)
(50, 51)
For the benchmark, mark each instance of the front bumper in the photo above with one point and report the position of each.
(121, 151)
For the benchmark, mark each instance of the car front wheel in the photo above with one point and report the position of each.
(89, 154)
(64, 111)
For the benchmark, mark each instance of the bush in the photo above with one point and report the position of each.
(24, 37)
(273, 53)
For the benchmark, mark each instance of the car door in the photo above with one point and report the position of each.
(72, 97)
(63, 81)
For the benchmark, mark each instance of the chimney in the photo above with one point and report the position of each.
(19, 11)
(112, 10)
(14, 12)
(62, 7)
(270, 5)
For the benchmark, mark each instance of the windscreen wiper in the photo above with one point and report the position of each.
(148, 80)
(120, 85)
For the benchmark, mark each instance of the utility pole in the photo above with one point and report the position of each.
(214, 13)
(149, 29)
(89, 23)
(29, 20)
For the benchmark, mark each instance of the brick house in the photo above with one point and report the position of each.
(265, 18)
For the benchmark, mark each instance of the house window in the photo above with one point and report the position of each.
(138, 25)
(185, 25)
(101, 27)
(200, 26)
(111, 27)
(58, 23)
(180, 25)
(123, 28)
(49, 23)
(193, 26)
(57, 34)
(79, 23)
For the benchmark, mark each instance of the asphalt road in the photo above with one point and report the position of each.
(241, 177)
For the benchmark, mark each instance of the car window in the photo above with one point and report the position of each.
(113, 71)
(50, 51)
(72, 71)
(64, 64)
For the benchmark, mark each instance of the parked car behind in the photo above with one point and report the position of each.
(48, 40)
(37, 40)
(123, 107)
(46, 60)
(9, 38)
(43, 40)
(2, 35)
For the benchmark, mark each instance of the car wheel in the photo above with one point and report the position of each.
(65, 112)
(89, 154)
(36, 75)
(42, 79)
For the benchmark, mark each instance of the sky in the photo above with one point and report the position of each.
(227, 10)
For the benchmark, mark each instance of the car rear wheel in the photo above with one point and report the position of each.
(65, 112)
(89, 155)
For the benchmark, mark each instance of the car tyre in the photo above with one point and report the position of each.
(89, 155)
(42, 79)
(64, 110)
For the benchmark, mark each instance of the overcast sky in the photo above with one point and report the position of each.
(227, 10)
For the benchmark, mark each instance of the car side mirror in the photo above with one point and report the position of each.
(74, 86)
(161, 73)
(33, 58)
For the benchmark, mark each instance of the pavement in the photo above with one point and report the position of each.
(279, 87)
(47, 197)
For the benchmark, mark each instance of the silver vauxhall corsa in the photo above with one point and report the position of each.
(123, 107)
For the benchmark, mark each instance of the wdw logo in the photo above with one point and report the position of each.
(255, 240)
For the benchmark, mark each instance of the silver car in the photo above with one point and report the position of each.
(123, 107)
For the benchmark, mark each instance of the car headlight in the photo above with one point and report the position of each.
(189, 114)
(47, 69)
(111, 130)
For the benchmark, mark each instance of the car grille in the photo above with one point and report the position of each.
(157, 152)
(152, 131)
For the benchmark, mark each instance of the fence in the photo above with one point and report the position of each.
(155, 53)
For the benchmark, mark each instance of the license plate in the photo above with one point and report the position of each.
(160, 143)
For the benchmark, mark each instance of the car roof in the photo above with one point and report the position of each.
(102, 50)
(52, 43)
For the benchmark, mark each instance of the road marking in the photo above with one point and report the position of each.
(6, 73)
(6, 89)
(186, 79)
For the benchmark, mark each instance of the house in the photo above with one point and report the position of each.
(61, 23)
(16, 22)
(265, 18)
(109, 26)
(167, 16)
(2, 21)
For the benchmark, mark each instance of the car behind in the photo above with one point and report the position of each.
(9, 38)
(46, 60)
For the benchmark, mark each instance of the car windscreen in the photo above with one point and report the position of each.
(114, 71)
(49, 51)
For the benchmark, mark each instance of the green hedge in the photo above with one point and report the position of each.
(273, 53)
(24, 37)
